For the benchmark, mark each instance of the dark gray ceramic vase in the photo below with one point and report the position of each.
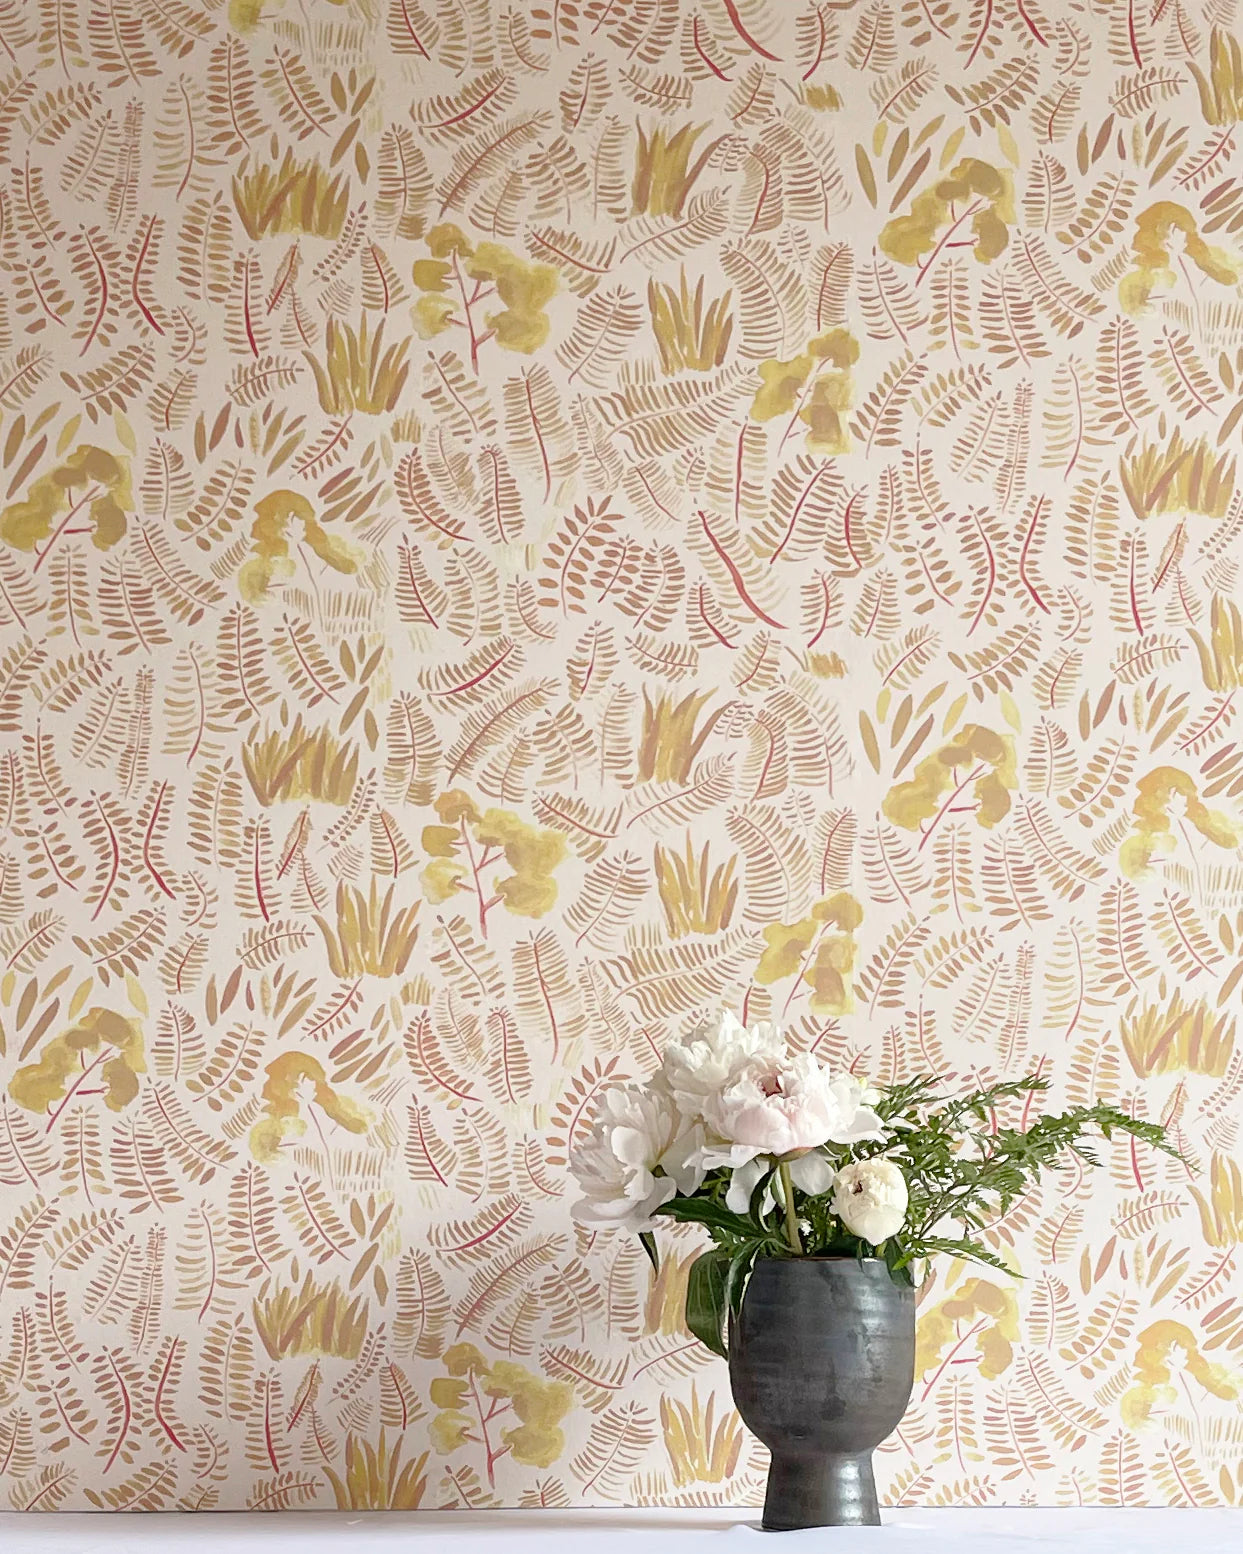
(821, 1362)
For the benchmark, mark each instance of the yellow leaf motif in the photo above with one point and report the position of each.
(24, 524)
(532, 855)
(838, 347)
(824, 414)
(447, 1392)
(991, 776)
(270, 555)
(523, 285)
(992, 1313)
(1153, 1373)
(453, 806)
(431, 275)
(283, 1120)
(787, 943)
(514, 1393)
(822, 409)
(1156, 796)
(447, 238)
(986, 195)
(117, 1043)
(1153, 261)
(246, 15)
(432, 315)
(823, 960)
(460, 856)
(832, 391)
(440, 841)
(782, 381)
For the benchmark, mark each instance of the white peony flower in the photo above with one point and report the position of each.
(810, 1173)
(855, 1093)
(700, 1068)
(780, 1105)
(870, 1197)
(743, 1182)
(639, 1153)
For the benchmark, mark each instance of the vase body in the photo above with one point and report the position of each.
(821, 1362)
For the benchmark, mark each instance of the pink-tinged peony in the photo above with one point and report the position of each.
(639, 1154)
(870, 1198)
(778, 1105)
(697, 1070)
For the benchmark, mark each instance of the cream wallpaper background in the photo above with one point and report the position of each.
(521, 523)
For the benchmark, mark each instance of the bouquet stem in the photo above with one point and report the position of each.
(787, 1192)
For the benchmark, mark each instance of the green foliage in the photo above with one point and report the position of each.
(719, 1277)
(706, 1299)
(964, 1169)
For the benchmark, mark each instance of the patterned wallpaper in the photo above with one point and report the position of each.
(522, 521)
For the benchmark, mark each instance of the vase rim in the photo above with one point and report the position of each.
(825, 1257)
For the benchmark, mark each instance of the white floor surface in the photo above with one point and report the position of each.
(991, 1531)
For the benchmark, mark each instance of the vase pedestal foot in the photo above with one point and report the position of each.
(821, 1491)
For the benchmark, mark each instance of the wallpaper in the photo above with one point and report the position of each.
(525, 522)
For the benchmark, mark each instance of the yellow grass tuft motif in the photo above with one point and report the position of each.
(689, 335)
(300, 763)
(314, 1319)
(1178, 1037)
(371, 935)
(375, 1478)
(357, 371)
(664, 174)
(294, 197)
(1181, 477)
(702, 1448)
(697, 897)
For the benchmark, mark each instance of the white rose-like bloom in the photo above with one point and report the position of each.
(699, 1069)
(636, 1132)
(870, 1197)
(779, 1105)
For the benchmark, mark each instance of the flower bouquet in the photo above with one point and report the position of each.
(824, 1198)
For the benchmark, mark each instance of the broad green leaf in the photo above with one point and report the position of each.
(740, 1266)
(706, 1298)
(702, 1211)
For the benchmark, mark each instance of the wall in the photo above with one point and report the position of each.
(507, 510)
